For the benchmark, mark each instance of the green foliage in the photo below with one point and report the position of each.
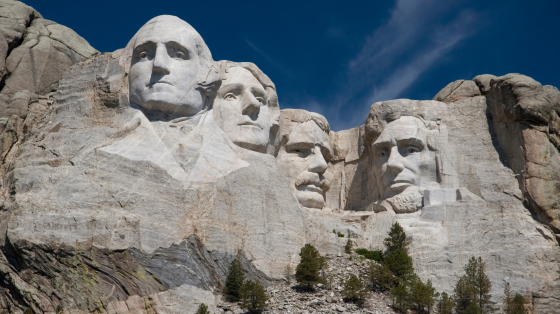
(381, 276)
(445, 304)
(354, 290)
(234, 280)
(311, 262)
(396, 239)
(340, 234)
(400, 264)
(422, 295)
(253, 296)
(372, 255)
(348, 246)
(202, 309)
(513, 304)
(474, 288)
(28, 311)
(518, 306)
(400, 297)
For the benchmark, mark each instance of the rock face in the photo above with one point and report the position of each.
(125, 195)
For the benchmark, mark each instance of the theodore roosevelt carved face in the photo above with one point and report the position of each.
(243, 105)
(303, 155)
(169, 58)
(403, 164)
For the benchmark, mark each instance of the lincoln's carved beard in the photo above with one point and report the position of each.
(406, 202)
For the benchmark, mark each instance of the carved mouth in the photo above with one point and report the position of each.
(159, 82)
(310, 188)
(400, 183)
(251, 124)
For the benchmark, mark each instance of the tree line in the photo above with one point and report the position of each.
(392, 271)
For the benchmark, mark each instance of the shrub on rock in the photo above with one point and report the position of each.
(307, 271)
(253, 296)
(234, 280)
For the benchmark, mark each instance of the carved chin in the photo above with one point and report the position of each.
(310, 199)
(407, 202)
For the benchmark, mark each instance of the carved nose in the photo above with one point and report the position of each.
(251, 106)
(394, 163)
(317, 162)
(161, 60)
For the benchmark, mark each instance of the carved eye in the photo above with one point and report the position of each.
(143, 55)
(382, 154)
(180, 54)
(261, 100)
(302, 153)
(230, 96)
(411, 150)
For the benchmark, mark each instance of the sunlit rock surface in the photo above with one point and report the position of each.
(112, 206)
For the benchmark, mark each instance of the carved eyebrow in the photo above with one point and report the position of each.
(412, 141)
(299, 144)
(144, 45)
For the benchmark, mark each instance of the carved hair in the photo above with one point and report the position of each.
(208, 79)
(288, 117)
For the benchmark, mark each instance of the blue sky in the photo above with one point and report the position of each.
(339, 57)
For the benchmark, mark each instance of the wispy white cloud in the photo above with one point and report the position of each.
(396, 55)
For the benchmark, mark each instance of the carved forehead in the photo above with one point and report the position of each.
(405, 127)
(239, 75)
(161, 30)
(308, 132)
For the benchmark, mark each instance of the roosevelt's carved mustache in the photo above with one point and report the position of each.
(307, 178)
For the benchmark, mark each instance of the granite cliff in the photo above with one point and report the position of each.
(132, 179)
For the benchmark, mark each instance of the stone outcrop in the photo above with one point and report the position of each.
(124, 195)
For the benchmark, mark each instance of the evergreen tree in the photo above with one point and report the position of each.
(474, 287)
(307, 271)
(400, 297)
(253, 296)
(518, 305)
(354, 290)
(400, 264)
(396, 239)
(513, 304)
(348, 247)
(202, 309)
(422, 295)
(445, 304)
(508, 299)
(381, 276)
(234, 280)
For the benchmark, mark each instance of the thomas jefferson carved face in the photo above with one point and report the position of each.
(164, 68)
(241, 110)
(401, 159)
(304, 160)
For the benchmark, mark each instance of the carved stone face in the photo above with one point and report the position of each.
(241, 110)
(303, 160)
(164, 69)
(401, 158)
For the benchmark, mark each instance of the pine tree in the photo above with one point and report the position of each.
(234, 280)
(445, 304)
(422, 295)
(307, 271)
(400, 264)
(518, 305)
(508, 299)
(202, 309)
(253, 296)
(474, 287)
(380, 276)
(396, 239)
(354, 290)
(400, 296)
(348, 247)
